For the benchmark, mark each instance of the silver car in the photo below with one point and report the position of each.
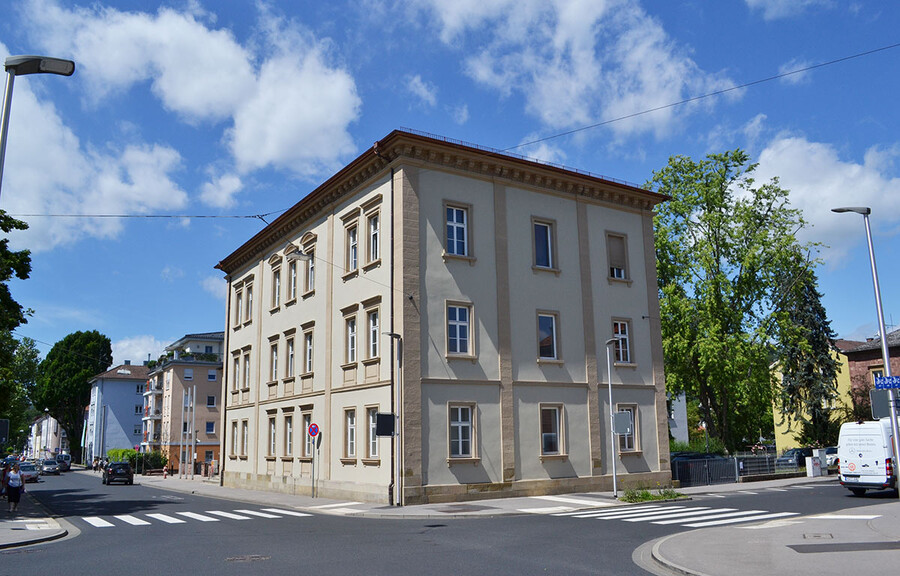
(49, 466)
(29, 472)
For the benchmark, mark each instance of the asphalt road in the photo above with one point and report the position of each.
(236, 537)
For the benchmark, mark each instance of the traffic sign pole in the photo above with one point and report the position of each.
(313, 431)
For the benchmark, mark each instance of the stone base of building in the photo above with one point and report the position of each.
(445, 493)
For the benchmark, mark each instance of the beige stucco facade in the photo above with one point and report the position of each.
(493, 274)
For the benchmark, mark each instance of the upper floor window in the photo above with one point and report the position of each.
(457, 231)
(273, 362)
(248, 308)
(374, 231)
(547, 337)
(210, 401)
(290, 358)
(238, 306)
(310, 270)
(351, 339)
(188, 373)
(292, 280)
(372, 325)
(288, 435)
(276, 287)
(617, 256)
(308, 352)
(352, 248)
(544, 244)
(458, 329)
(461, 431)
(621, 332)
(236, 375)
(211, 375)
(246, 370)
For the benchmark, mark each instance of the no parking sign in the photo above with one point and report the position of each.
(313, 429)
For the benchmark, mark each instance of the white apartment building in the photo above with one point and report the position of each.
(473, 294)
(115, 412)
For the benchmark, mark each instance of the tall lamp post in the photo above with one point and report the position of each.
(398, 394)
(22, 66)
(885, 353)
(612, 426)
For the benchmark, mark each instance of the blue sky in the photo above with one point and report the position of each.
(239, 108)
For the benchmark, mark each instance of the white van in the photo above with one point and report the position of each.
(865, 456)
(64, 461)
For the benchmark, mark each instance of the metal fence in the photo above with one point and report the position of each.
(725, 470)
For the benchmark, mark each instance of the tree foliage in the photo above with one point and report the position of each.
(808, 368)
(12, 264)
(18, 373)
(64, 378)
(724, 246)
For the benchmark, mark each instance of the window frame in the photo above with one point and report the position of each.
(351, 342)
(373, 237)
(350, 437)
(273, 360)
(466, 226)
(351, 238)
(448, 323)
(290, 353)
(559, 420)
(454, 426)
(557, 349)
(272, 444)
(210, 427)
(276, 286)
(618, 358)
(289, 435)
(634, 436)
(373, 348)
(552, 264)
(611, 273)
(371, 437)
(308, 351)
(293, 277)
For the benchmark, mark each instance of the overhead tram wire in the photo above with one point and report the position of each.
(704, 96)
(170, 216)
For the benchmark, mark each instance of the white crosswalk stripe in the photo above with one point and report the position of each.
(184, 517)
(286, 512)
(259, 514)
(166, 518)
(689, 516)
(98, 522)
(133, 520)
(195, 516)
(228, 515)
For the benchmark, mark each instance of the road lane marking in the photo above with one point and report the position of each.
(166, 518)
(554, 510)
(714, 514)
(747, 492)
(133, 520)
(846, 516)
(228, 515)
(195, 516)
(745, 519)
(259, 514)
(625, 509)
(336, 505)
(681, 514)
(618, 515)
(579, 501)
(97, 521)
(288, 512)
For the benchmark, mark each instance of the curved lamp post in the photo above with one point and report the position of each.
(22, 66)
(885, 352)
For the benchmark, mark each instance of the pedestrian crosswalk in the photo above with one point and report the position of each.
(152, 518)
(667, 514)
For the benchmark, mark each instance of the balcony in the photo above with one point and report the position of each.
(153, 387)
(184, 356)
(152, 414)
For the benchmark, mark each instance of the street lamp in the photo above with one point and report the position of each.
(22, 66)
(612, 428)
(398, 393)
(885, 353)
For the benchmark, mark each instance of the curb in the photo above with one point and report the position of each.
(48, 534)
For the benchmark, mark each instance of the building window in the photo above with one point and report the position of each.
(288, 435)
(138, 409)
(188, 373)
(211, 375)
(248, 309)
(309, 441)
(273, 363)
(372, 325)
(210, 401)
(276, 287)
(372, 439)
(245, 437)
(238, 307)
(352, 248)
(310, 270)
(210, 427)
(457, 231)
(547, 337)
(617, 255)
(290, 357)
(458, 329)
(234, 438)
(374, 231)
(271, 436)
(350, 433)
(308, 352)
(246, 371)
(292, 280)
(236, 374)
(138, 429)
(544, 244)
(461, 431)
(351, 340)
(551, 420)
(623, 344)
(628, 442)
(139, 389)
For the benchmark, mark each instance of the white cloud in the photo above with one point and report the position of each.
(220, 192)
(797, 78)
(422, 90)
(460, 114)
(216, 286)
(819, 180)
(170, 273)
(137, 349)
(577, 62)
(775, 9)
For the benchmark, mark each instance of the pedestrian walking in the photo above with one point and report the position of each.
(15, 485)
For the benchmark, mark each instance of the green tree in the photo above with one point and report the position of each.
(17, 377)
(723, 245)
(16, 264)
(64, 378)
(806, 382)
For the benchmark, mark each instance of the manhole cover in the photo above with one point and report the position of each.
(247, 558)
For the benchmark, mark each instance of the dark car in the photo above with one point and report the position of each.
(683, 456)
(118, 471)
(49, 466)
(793, 458)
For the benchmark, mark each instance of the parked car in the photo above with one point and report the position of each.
(29, 472)
(118, 471)
(831, 456)
(866, 452)
(49, 466)
(64, 461)
(682, 456)
(793, 458)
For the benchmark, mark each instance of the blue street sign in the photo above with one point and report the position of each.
(887, 382)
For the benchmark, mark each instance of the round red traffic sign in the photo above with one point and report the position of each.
(313, 429)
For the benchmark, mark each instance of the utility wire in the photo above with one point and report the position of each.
(174, 216)
(703, 96)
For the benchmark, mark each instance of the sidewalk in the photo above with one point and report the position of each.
(857, 540)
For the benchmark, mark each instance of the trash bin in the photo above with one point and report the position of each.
(813, 466)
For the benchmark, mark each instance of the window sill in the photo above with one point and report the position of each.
(350, 275)
(371, 361)
(551, 361)
(474, 461)
(554, 457)
(290, 302)
(348, 461)
(373, 264)
(286, 458)
(275, 309)
(468, 357)
(625, 365)
(248, 322)
(447, 256)
(304, 459)
(613, 280)
(371, 462)
(539, 269)
(247, 389)
(288, 379)
(309, 294)
(232, 457)
(630, 453)
(244, 458)
(348, 366)
(270, 458)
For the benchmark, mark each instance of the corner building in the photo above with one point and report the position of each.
(472, 294)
